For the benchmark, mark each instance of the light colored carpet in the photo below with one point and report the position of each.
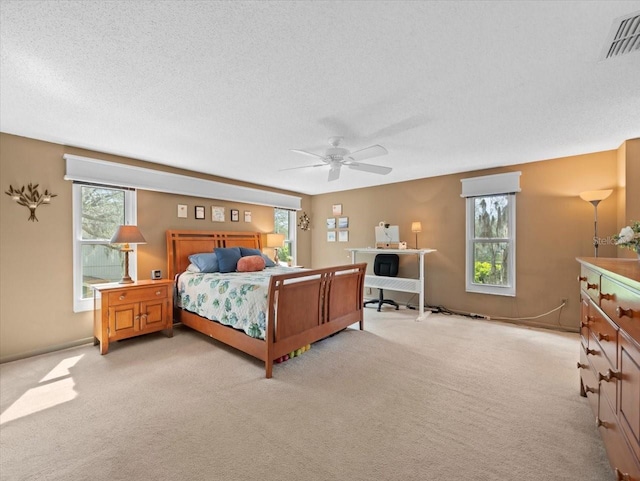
(447, 398)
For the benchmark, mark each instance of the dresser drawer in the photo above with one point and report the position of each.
(137, 295)
(622, 460)
(606, 333)
(589, 382)
(590, 282)
(605, 374)
(621, 304)
(629, 405)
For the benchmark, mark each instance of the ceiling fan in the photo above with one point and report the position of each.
(335, 157)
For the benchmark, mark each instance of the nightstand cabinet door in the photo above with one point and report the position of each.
(153, 314)
(124, 321)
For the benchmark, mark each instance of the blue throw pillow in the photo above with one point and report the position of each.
(206, 262)
(246, 251)
(228, 258)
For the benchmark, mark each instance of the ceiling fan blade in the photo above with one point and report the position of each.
(311, 154)
(303, 167)
(367, 153)
(334, 173)
(374, 169)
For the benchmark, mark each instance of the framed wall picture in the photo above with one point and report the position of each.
(182, 211)
(199, 211)
(235, 215)
(343, 236)
(336, 209)
(343, 222)
(331, 223)
(247, 216)
(331, 236)
(217, 214)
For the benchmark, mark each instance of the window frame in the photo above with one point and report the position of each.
(471, 286)
(291, 240)
(81, 304)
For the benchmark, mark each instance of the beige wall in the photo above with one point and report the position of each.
(36, 278)
(554, 226)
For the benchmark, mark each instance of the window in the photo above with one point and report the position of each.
(97, 213)
(491, 233)
(491, 244)
(284, 222)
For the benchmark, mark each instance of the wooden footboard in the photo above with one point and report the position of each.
(303, 307)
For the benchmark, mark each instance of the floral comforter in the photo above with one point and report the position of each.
(236, 299)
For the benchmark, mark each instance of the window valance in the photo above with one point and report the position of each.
(95, 171)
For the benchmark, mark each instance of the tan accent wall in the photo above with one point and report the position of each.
(554, 226)
(36, 258)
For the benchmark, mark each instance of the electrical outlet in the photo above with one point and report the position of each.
(368, 291)
(565, 301)
(156, 274)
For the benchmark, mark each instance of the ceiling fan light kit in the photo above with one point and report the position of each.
(335, 157)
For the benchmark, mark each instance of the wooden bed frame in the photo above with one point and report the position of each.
(303, 307)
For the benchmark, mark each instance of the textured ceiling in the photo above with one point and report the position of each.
(229, 88)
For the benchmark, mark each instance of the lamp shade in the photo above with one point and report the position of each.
(416, 227)
(128, 234)
(275, 240)
(595, 195)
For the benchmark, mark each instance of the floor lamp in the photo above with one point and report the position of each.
(594, 197)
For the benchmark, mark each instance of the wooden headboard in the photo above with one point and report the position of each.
(182, 243)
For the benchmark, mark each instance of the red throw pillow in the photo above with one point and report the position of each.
(250, 264)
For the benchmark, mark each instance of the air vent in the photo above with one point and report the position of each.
(624, 36)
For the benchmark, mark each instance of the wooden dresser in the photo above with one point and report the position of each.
(610, 357)
(127, 310)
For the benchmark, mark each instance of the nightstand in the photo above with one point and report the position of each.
(121, 311)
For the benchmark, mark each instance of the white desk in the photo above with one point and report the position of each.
(402, 284)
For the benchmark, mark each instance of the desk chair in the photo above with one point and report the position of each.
(385, 265)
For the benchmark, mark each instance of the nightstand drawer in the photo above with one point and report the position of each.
(138, 295)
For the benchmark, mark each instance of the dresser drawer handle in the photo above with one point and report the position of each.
(592, 286)
(620, 476)
(621, 312)
(607, 297)
(591, 352)
(122, 297)
(589, 389)
(582, 278)
(158, 293)
(582, 366)
(601, 423)
(603, 337)
(609, 376)
(587, 320)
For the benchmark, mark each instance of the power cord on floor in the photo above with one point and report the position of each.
(474, 315)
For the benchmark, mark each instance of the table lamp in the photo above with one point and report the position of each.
(416, 227)
(125, 235)
(275, 241)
